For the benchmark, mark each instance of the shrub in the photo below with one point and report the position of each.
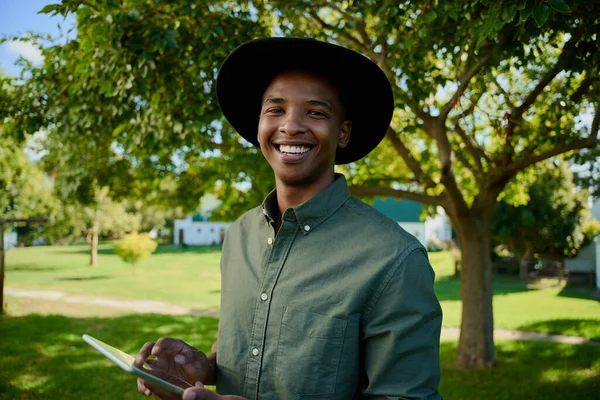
(135, 246)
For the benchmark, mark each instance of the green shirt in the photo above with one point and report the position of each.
(339, 304)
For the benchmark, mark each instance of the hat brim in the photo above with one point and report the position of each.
(364, 88)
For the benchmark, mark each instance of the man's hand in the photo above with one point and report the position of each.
(175, 362)
(199, 393)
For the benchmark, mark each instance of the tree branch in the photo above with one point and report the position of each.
(588, 142)
(436, 128)
(582, 89)
(403, 194)
(464, 82)
(408, 158)
(505, 94)
(463, 160)
(346, 35)
(476, 152)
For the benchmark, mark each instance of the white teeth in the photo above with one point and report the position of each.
(293, 149)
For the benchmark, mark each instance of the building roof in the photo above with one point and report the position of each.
(399, 210)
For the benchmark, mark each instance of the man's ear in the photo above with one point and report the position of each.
(345, 132)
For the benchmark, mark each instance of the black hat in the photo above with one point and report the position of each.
(363, 87)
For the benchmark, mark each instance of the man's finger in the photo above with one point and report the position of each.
(143, 355)
(170, 346)
(197, 393)
(142, 388)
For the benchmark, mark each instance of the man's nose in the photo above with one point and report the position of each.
(292, 124)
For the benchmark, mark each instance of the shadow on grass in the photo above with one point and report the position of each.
(588, 328)
(161, 249)
(448, 287)
(30, 267)
(525, 370)
(45, 357)
(85, 278)
(578, 291)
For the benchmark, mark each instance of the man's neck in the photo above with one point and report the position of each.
(292, 195)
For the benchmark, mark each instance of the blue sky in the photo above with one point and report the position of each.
(17, 17)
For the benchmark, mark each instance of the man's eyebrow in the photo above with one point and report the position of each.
(274, 100)
(320, 104)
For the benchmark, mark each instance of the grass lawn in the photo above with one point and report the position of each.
(190, 277)
(186, 277)
(42, 354)
(43, 357)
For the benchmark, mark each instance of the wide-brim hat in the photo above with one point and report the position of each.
(363, 87)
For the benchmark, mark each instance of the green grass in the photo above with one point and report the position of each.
(557, 309)
(43, 357)
(190, 277)
(187, 277)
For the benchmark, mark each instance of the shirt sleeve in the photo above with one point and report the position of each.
(402, 334)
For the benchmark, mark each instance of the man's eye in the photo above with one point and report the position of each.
(317, 113)
(274, 111)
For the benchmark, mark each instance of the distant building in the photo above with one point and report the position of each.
(588, 258)
(407, 213)
(198, 230)
(10, 240)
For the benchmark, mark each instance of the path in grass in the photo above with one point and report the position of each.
(157, 307)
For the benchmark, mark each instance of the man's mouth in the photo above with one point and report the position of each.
(293, 153)
(292, 150)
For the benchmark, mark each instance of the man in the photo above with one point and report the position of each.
(322, 296)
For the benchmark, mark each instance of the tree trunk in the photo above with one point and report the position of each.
(476, 343)
(524, 263)
(94, 246)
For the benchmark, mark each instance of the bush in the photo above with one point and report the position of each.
(135, 246)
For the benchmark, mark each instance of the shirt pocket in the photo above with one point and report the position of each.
(309, 350)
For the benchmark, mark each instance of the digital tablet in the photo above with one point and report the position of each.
(125, 361)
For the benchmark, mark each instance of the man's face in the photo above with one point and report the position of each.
(300, 127)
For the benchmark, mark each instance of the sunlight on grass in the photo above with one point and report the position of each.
(190, 277)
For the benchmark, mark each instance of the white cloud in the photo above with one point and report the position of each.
(26, 50)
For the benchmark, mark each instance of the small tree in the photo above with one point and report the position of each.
(549, 223)
(135, 246)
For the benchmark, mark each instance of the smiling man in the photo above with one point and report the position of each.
(322, 296)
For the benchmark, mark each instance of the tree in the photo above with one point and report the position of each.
(550, 223)
(129, 103)
(483, 90)
(135, 246)
(104, 217)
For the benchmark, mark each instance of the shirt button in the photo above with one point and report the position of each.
(270, 240)
(255, 352)
(306, 228)
(264, 296)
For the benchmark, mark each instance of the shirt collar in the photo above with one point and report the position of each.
(315, 210)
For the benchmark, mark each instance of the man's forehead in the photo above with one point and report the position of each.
(305, 80)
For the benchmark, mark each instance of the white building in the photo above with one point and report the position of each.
(438, 227)
(588, 258)
(195, 230)
(10, 240)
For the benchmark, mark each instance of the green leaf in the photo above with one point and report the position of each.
(490, 22)
(508, 14)
(521, 4)
(49, 8)
(540, 14)
(526, 12)
(560, 6)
